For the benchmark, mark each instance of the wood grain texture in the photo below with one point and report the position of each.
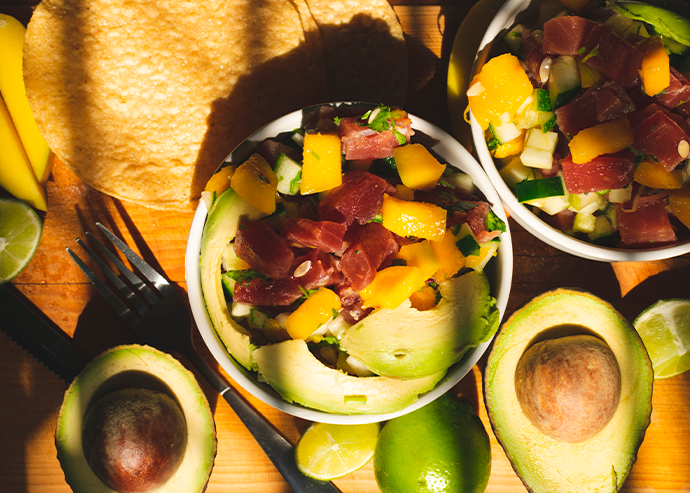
(30, 395)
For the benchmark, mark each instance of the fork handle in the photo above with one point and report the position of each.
(277, 448)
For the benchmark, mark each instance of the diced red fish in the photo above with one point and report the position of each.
(562, 221)
(565, 35)
(321, 270)
(363, 143)
(677, 95)
(262, 248)
(660, 134)
(358, 199)
(606, 51)
(326, 235)
(351, 302)
(373, 248)
(606, 172)
(476, 220)
(270, 149)
(647, 225)
(597, 105)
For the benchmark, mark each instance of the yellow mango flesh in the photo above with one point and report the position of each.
(655, 70)
(424, 298)
(16, 173)
(255, 182)
(652, 174)
(317, 310)
(220, 180)
(14, 93)
(603, 138)
(421, 255)
(404, 193)
(418, 219)
(449, 255)
(504, 86)
(321, 163)
(391, 286)
(679, 200)
(418, 169)
(510, 148)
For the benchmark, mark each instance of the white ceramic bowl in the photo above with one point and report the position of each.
(499, 270)
(512, 12)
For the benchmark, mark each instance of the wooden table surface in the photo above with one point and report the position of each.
(30, 395)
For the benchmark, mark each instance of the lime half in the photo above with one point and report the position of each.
(665, 330)
(20, 232)
(328, 451)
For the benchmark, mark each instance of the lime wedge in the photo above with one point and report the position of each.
(20, 232)
(328, 451)
(665, 330)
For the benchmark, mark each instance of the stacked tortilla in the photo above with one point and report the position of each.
(143, 100)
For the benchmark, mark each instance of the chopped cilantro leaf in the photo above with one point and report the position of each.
(493, 222)
(306, 293)
(247, 275)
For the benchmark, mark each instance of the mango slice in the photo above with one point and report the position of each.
(449, 255)
(655, 71)
(418, 168)
(421, 255)
(14, 93)
(255, 182)
(16, 174)
(321, 163)
(418, 219)
(391, 286)
(318, 309)
(603, 138)
(652, 174)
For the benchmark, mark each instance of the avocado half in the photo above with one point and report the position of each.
(136, 366)
(600, 463)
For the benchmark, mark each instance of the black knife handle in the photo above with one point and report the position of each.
(38, 335)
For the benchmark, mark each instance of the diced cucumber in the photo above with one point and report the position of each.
(540, 189)
(459, 179)
(542, 100)
(241, 310)
(584, 223)
(564, 81)
(541, 140)
(466, 242)
(514, 39)
(602, 228)
(620, 195)
(546, 120)
(298, 137)
(515, 172)
(536, 158)
(550, 205)
(585, 203)
(289, 174)
(230, 260)
(612, 215)
(487, 251)
(228, 286)
(504, 131)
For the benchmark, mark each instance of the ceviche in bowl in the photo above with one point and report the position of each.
(580, 115)
(348, 263)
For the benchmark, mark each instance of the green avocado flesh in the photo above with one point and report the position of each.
(601, 463)
(220, 228)
(408, 343)
(136, 367)
(291, 369)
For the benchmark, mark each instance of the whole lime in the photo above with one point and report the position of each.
(441, 447)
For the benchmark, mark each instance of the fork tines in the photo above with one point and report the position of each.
(127, 292)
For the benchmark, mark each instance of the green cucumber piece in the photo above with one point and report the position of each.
(542, 100)
(539, 188)
(504, 132)
(466, 242)
(289, 174)
(564, 81)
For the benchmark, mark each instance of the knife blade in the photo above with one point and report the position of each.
(39, 336)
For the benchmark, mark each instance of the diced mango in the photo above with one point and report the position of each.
(656, 69)
(449, 255)
(510, 148)
(16, 173)
(321, 163)
(404, 193)
(418, 219)
(424, 298)
(255, 182)
(418, 168)
(391, 286)
(421, 255)
(220, 180)
(679, 200)
(500, 87)
(652, 174)
(603, 138)
(14, 93)
(318, 309)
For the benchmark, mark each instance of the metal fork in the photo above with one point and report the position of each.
(164, 321)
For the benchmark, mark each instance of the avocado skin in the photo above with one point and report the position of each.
(602, 463)
(136, 366)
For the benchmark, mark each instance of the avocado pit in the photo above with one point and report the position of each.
(569, 387)
(134, 439)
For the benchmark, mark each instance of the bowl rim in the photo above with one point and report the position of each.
(500, 276)
(504, 19)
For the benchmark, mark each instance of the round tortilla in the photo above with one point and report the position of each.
(143, 100)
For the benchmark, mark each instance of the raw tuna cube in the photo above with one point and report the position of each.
(648, 224)
(606, 172)
(661, 134)
(606, 51)
(565, 35)
(358, 199)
